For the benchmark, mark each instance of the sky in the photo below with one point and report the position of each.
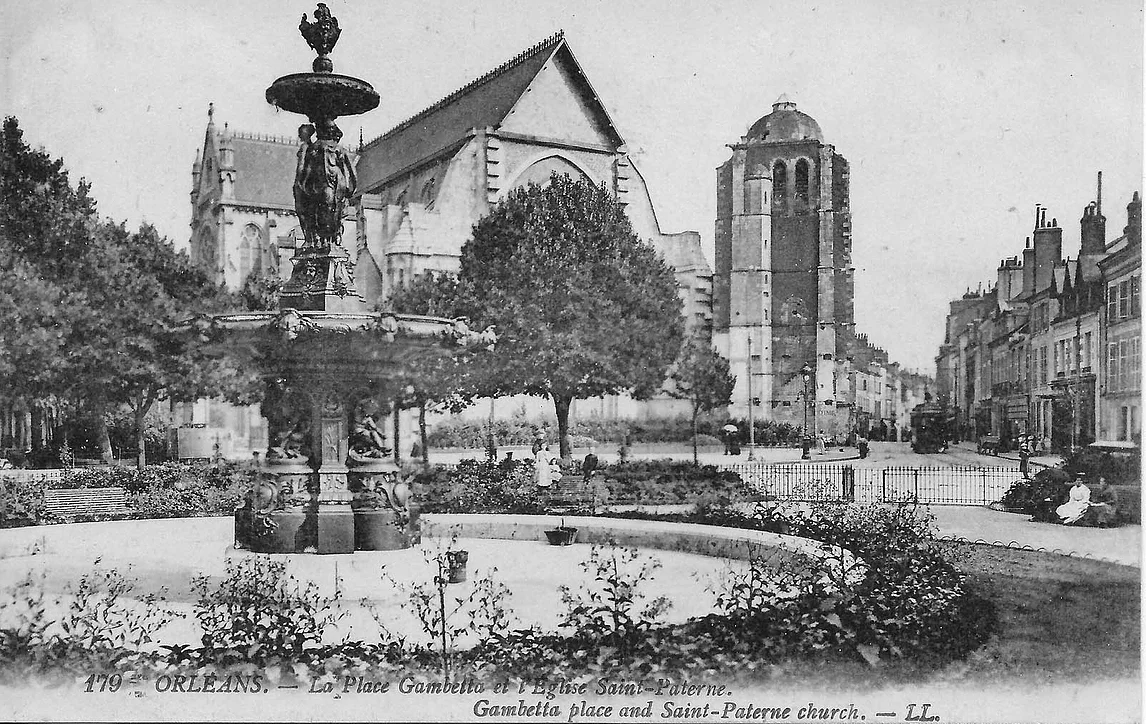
(957, 116)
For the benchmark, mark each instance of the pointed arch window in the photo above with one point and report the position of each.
(802, 181)
(779, 182)
(249, 250)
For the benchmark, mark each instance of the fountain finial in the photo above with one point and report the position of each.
(321, 35)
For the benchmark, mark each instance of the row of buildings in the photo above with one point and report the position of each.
(1052, 347)
(783, 283)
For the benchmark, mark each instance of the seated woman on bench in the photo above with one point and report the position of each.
(1103, 510)
(1073, 509)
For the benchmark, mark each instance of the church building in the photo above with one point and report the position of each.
(423, 184)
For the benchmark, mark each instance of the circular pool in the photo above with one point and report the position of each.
(163, 556)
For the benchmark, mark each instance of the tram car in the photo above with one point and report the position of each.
(931, 425)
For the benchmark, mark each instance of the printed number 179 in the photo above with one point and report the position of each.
(105, 682)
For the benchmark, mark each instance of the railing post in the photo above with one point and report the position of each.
(916, 472)
(883, 486)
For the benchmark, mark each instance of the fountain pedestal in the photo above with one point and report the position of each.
(322, 280)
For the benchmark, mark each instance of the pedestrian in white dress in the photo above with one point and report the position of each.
(543, 467)
(1079, 501)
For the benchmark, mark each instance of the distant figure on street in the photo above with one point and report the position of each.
(589, 466)
(543, 467)
(1025, 445)
(862, 445)
(626, 446)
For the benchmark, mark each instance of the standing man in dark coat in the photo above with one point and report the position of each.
(590, 464)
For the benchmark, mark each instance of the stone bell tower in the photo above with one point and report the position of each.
(783, 273)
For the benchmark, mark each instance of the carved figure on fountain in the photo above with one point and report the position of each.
(290, 323)
(367, 443)
(324, 181)
(321, 35)
(293, 446)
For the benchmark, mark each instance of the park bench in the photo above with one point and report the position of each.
(572, 495)
(71, 503)
(989, 445)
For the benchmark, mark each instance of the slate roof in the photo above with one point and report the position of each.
(484, 102)
(265, 166)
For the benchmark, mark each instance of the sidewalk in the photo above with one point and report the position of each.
(1119, 545)
(1044, 461)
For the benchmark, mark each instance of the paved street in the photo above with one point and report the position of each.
(882, 454)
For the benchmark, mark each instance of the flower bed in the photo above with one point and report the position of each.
(913, 609)
(170, 490)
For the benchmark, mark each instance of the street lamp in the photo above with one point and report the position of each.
(806, 373)
(751, 400)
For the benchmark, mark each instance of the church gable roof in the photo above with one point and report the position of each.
(482, 103)
(265, 168)
(559, 103)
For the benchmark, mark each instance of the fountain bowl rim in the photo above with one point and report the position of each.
(342, 95)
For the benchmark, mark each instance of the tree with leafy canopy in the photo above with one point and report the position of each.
(435, 381)
(581, 306)
(46, 226)
(260, 292)
(103, 301)
(704, 378)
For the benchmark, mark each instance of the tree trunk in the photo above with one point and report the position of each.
(103, 436)
(140, 440)
(695, 453)
(423, 434)
(561, 404)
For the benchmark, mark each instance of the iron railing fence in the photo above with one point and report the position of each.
(962, 485)
(798, 481)
(24, 475)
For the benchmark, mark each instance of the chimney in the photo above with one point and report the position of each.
(1028, 265)
(1133, 228)
(1048, 252)
(1010, 281)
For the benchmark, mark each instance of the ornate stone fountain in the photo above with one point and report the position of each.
(331, 367)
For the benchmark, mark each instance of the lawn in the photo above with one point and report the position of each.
(1061, 620)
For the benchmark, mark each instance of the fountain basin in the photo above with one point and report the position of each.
(322, 94)
(166, 554)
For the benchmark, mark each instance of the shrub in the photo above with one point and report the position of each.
(258, 612)
(914, 602)
(97, 625)
(480, 486)
(21, 501)
(170, 490)
(669, 481)
(608, 607)
(522, 431)
(1029, 494)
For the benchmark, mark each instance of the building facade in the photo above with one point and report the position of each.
(1121, 333)
(1040, 352)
